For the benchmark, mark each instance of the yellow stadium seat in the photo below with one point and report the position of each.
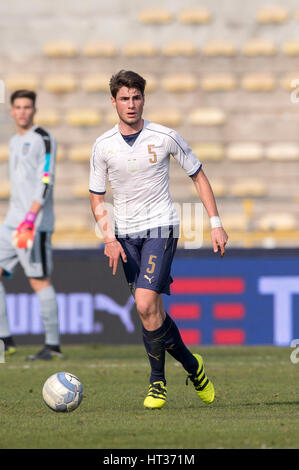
(47, 117)
(259, 46)
(195, 15)
(258, 82)
(60, 83)
(277, 221)
(234, 222)
(208, 151)
(60, 154)
(96, 82)
(244, 151)
(179, 47)
(151, 81)
(60, 49)
(290, 81)
(291, 48)
(155, 15)
(100, 49)
(283, 151)
(80, 153)
(140, 48)
(20, 82)
(4, 152)
(70, 224)
(218, 185)
(4, 189)
(246, 187)
(272, 14)
(83, 117)
(179, 82)
(222, 48)
(111, 117)
(218, 82)
(81, 190)
(165, 117)
(207, 117)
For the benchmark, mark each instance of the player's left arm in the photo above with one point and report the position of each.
(205, 192)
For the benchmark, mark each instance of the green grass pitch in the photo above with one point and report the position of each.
(256, 404)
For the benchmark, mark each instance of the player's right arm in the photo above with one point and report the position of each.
(97, 188)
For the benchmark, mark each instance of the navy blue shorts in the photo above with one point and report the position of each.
(149, 259)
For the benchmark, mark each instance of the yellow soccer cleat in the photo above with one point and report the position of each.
(9, 351)
(203, 386)
(156, 396)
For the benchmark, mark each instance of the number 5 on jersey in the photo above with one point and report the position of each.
(154, 158)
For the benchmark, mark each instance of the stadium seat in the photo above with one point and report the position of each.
(272, 14)
(83, 117)
(96, 82)
(140, 48)
(47, 117)
(21, 81)
(151, 81)
(155, 16)
(244, 151)
(179, 48)
(60, 49)
(284, 151)
(277, 221)
(4, 152)
(80, 190)
(219, 48)
(218, 185)
(166, 117)
(290, 81)
(258, 82)
(259, 46)
(207, 117)
(70, 224)
(195, 15)
(218, 82)
(60, 83)
(253, 187)
(111, 117)
(4, 189)
(60, 154)
(234, 222)
(179, 82)
(208, 151)
(291, 48)
(99, 49)
(80, 153)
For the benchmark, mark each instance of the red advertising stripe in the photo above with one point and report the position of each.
(225, 311)
(191, 336)
(189, 311)
(216, 285)
(229, 336)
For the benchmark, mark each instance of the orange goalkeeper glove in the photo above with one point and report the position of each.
(24, 235)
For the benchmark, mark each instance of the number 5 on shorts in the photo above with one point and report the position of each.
(152, 264)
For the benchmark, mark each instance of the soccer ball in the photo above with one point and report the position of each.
(63, 392)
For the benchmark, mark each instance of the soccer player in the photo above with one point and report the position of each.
(135, 156)
(25, 235)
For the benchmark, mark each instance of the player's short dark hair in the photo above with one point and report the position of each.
(128, 79)
(23, 94)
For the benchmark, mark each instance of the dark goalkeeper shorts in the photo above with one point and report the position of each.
(149, 259)
(36, 262)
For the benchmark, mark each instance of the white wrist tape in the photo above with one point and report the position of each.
(215, 222)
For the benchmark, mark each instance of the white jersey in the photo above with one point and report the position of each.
(139, 175)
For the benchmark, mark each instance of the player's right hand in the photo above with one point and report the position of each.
(24, 235)
(113, 250)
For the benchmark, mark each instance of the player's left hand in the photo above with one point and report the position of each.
(219, 240)
(24, 235)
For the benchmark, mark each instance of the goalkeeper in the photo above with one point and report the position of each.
(25, 235)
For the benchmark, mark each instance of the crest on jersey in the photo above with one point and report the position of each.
(26, 148)
(132, 165)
